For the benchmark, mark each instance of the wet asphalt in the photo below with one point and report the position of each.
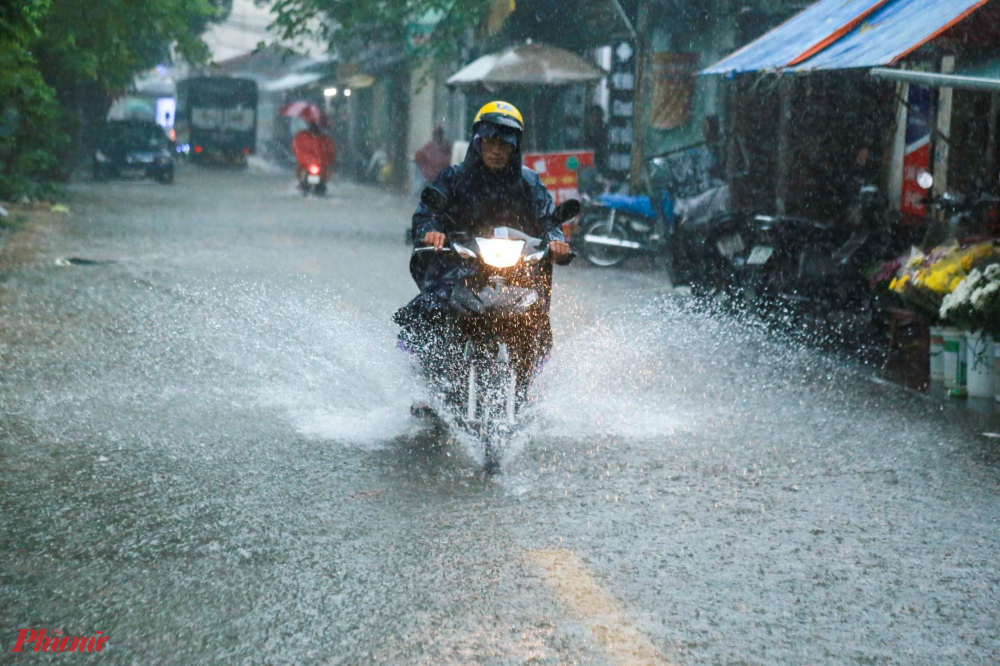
(206, 453)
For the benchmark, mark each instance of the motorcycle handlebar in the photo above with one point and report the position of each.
(546, 256)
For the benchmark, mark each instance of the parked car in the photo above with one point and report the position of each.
(133, 147)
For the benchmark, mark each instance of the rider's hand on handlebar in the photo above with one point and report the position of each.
(435, 239)
(559, 250)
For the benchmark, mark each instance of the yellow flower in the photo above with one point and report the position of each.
(954, 284)
(973, 254)
(940, 280)
(892, 285)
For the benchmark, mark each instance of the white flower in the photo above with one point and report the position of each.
(961, 295)
(981, 295)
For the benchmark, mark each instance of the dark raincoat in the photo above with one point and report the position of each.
(478, 200)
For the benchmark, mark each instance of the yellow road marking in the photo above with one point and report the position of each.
(577, 590)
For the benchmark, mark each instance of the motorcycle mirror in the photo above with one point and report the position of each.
(567, 210)
(434, 199)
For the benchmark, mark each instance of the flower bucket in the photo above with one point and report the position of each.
(937, 353)
(981, 365)
(954, 358)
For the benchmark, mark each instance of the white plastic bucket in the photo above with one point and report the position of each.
(954, 357)
(981, 365)
(937, 353)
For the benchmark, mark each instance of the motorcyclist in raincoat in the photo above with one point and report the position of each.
(489, 188)
(313, 150)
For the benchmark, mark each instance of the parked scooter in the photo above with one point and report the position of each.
(963, 217)
(799, 267)
(615, 227)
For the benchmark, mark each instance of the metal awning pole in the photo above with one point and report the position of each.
(937, 79)
(785, 89)
(942, 149)
(991, 143)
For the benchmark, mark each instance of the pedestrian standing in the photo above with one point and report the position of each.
(433, 158)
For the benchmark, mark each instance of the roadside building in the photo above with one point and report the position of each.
(804, 102)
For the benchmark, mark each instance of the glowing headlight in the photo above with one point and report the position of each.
(500, 252)
(101, 157)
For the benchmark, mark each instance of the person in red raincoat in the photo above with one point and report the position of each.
(314, 149)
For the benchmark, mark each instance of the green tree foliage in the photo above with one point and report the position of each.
(353, 27)
(63, 61)
(27, 103)
(110, 41)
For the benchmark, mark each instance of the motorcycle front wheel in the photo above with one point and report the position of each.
(492, 397)
(599, 254)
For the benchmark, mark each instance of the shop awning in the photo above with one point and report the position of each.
(892, 32)
(848, 34)
(973, 76)
(801, 36)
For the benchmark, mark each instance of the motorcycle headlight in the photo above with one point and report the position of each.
(500, 252)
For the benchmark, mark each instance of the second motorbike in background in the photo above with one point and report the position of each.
(314, 152)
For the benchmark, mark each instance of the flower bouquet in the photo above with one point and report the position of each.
(924, 280)
(974, 305)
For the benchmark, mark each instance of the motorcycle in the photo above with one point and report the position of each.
(963, 217)
(485, 352)
(312, 180)
(615, 227)
(793, 266)
(314, 153)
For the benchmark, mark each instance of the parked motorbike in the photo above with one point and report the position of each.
(486, 361)
(805, 268)
(615, 227)
(963, 217)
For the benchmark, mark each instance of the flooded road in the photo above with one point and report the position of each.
(207, 455)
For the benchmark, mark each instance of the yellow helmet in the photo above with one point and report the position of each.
(500, 113)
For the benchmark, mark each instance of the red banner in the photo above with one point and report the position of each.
(917, 158)
(558, 171)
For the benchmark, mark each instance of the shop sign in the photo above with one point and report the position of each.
(558, 171)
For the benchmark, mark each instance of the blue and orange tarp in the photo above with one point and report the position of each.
(845, 34)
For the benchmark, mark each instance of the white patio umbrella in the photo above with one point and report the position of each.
(527, 64)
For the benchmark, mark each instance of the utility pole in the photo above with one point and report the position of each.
(639, 100)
